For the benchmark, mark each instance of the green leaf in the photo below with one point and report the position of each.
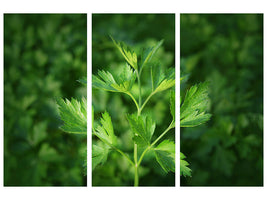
(107, 82)
(165, 155)
(106, 132)
(104, 82)
(84, 158)
(143, 128)
(157, 76)
(83, 81)
(165, 84)
(74, 115)
(132, 58)
(161, 81)
(99, 154)
(192, 112)
(129, 55)
(184, 169)
(172, 104)
(148, 53)
(93, 117)
(126, 79)
(184, 78)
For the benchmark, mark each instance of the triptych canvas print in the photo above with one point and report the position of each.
(144, 97)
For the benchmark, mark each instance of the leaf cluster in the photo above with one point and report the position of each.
(142, 125)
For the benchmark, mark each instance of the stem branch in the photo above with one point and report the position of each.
(150, 146)
(123, 154)
(136, 178)
(139, 86)
(146, 101)
(118, 150)
(137, 106)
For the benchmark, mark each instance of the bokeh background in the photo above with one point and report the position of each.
(227, 51)
(44, 55)
(138, 30)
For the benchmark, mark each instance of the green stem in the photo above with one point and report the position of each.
(143, 154)
(118, 150)
(146, 101)
(139, 86)
(169, 128)
(123, 154)
(136, 178)
(137, 106)
(150, 146)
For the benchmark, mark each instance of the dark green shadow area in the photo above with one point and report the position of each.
(227, 51)
(44, 55)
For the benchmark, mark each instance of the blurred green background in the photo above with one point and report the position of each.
(227, 51)
(136, 30)
(44, 55)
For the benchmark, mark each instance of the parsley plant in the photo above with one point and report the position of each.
(142, 125)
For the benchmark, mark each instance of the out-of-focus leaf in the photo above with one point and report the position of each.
(83, 81)
(148, 53)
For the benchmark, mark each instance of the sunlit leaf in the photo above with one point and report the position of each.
(143, 128)
(129, 55)
(99, 154)
(107, 82)
(184, 169)
(74, 115)
(165, 155)
(162, 82)
(192, 112)
(105, 131)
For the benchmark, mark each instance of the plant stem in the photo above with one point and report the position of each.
(169, 127)
(146, 101)
(137, 106)
(123, 154)
(139, 86)
(150, 146)
(136, 178)
(118, 150)
(143, 154)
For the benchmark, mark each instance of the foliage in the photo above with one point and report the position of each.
(192, 113)
(43, 55)
(142, 125)
(194, 105)
(139, 32)
(227, 51)
(184, 169)
(74, 115)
